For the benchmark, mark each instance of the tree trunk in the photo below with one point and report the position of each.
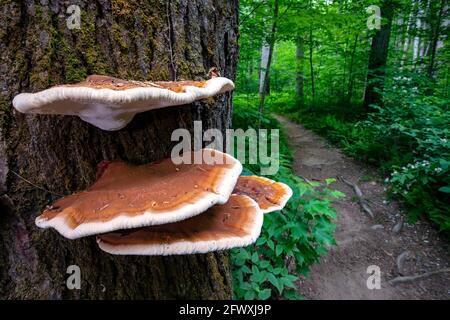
(158, 40)
(311, 68)
(351, 78)
(265, 72)
(378, 56)
(300, 77)
(423, 40)
(343, 95)
(435, 40)
(265, 53)
(407, 37)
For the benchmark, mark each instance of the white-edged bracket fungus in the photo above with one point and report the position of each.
(127, 196)
(270, 195)
(111, 103)
(237, 223)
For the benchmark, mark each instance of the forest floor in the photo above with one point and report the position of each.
(363, 241)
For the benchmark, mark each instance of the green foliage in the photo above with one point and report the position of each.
(408, 138)
(407, 135)
(418, 127)
(298, 234)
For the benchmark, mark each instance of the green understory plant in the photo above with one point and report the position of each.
(291, 240)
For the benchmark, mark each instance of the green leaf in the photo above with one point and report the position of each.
(245, 269)
(337, 194)
(261, 241)
(279, 249)
(288, 282)
(274, 281)
(299, 231)
(245, 286)
(445, 189)
(278, 270)
(265, 294)
(264, 264)
(249, 295)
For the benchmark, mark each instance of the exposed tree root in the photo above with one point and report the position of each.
(402, 257)
(417, 277)
(362, 202)
(398, 226)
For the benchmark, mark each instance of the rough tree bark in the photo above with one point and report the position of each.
(128, 39)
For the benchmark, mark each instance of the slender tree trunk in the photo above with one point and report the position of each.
(265, 74)
(265, 53)
(156, 40)
(378, 57)
(249, 74)
(351, 78)
(416, 40)
(343, 94)
(435, 40)
(311, 68)
(299, 74)
(407, 39)
(423, 40)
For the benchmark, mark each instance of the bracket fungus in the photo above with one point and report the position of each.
(237, 223)
(127, 196)
(111, 103)
(270, 195)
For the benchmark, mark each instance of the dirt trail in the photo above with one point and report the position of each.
(362, 241)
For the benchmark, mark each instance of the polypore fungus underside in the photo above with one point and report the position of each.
(127, 196)
(270, 195)
(110, 103)
(235, 224)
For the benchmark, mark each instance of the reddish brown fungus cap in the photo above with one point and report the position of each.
(111, 103)
(235, 224)
(107, 82)
(270, 195)
(127, 196)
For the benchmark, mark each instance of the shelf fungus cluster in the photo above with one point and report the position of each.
(162, 208)
(111, 103)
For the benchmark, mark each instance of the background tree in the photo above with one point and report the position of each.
(436, 23)
(266, 57)
(378, 55)
(299, 55)
(44, 156)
